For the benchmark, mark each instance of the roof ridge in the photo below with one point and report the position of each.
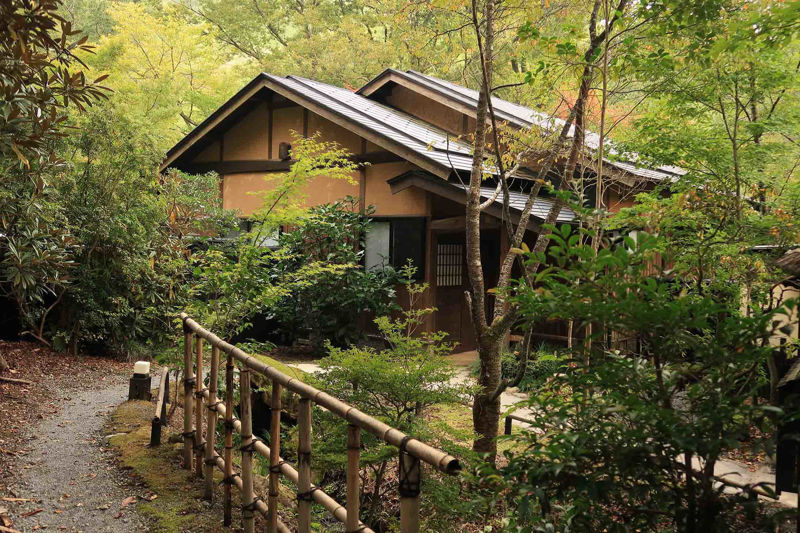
(442, 85)
(403, 114)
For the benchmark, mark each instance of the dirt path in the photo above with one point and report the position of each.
(69, 471)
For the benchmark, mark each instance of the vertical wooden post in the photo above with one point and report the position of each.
(409, 493)
(353, 479)
(211, 423)
(274, 457)
(304, 466)
(198, 411)
(245, 409)
(188, 376)
(508, 422)
(228, 452)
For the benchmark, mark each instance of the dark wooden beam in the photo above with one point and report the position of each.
(238, 167)
(459, 223)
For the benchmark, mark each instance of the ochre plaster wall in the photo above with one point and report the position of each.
(238, 189)
(285, 120)
(209, 154)
(426, 109)
(333, 132)
(410, 202)
(247, 140)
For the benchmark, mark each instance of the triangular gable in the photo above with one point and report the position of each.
(422, 144)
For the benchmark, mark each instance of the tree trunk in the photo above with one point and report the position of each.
(485, 407)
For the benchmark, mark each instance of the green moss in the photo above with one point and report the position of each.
(455, 422)
(178, 506)
(282, 367)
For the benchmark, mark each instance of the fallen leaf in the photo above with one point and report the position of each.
(127, 501)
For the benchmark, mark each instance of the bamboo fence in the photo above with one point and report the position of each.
(160, 417)
(199, 445)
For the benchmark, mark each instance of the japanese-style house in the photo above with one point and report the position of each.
(413, 130)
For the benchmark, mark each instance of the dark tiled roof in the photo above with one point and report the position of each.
(517, 201)
(422, 138)
(525, 117)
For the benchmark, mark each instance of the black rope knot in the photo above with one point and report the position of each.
(211, 462)
(200, 446)
(187, 434)
(228, 425)
(409, 467)
(228, 480)
(190, 381)
(252, 506)
(199, 393)
(213, 406)
(276, 468)
(249, 446)
(306, 496)
(404, 443)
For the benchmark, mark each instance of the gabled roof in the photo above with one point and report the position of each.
(431, 148)
(466, 100)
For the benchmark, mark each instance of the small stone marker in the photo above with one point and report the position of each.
(139, 388)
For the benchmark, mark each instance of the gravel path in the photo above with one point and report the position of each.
(69, 471)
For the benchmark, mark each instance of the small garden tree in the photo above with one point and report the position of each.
(397, 384)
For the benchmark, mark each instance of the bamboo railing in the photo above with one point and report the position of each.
(199, 446)
(160, 417)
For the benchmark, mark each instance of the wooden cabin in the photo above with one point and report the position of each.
(413, 130)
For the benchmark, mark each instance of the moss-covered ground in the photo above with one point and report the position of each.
(177, 503)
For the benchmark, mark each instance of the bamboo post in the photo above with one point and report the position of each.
(409, 492)
(228, 452)
(353, 480)
(211, 424)
(245, 408)
(198, 410)
(304, 466)
(274, 457)
(188, 377)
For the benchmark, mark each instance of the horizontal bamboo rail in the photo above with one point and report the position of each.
(509, 420)
(412, 451)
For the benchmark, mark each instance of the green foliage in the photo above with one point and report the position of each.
(167, 74)
(328, 289)
(543, 363)
(41, 80)
(397, 384)
(132, 228)
(232, 287)
(606, 450)
(313, 158)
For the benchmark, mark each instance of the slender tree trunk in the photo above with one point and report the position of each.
(486, 405)
(486, 408)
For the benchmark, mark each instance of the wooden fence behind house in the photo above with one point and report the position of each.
(199, 444)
